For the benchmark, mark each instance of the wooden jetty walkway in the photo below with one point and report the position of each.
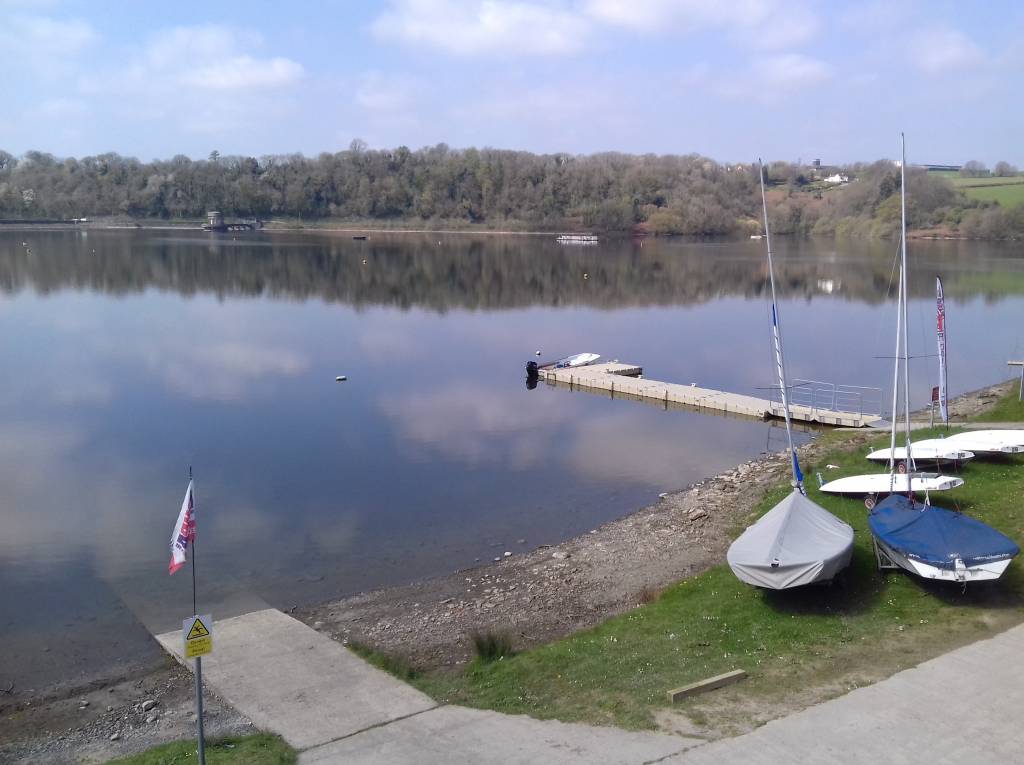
(628, 380)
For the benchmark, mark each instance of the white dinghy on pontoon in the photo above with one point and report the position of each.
(797, 542)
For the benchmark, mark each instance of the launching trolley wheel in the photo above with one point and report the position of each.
(870, 500)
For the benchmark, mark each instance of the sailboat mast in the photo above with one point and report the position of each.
(776, 335)
(906, 295)
(895, 384)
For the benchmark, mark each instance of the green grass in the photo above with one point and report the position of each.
(1007, 191)
(261, 749)
(820, 640)
(1007, 409)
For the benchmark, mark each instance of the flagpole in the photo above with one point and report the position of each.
(199, 659)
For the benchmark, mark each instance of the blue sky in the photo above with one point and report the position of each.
(785, 79)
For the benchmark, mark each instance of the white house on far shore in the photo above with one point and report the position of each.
(837, 178)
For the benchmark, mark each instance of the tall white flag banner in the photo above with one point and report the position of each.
(940, 303)
(184, 532)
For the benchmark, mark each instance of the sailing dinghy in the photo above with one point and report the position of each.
(933, 450)
(988, 442)
(936, 543)
(797, 542)
(926, 540)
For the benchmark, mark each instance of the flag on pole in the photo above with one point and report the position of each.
(184, 532)
(940, 303)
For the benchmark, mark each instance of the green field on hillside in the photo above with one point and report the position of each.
(1007, 191)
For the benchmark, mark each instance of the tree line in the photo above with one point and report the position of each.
(664, 194)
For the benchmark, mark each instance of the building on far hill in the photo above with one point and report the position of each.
(837, 178)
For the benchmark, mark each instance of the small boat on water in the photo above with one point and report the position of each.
(577, 239)
(569, 362)
(797, 542)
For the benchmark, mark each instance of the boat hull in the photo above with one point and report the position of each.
(978, 573)
(935, 543)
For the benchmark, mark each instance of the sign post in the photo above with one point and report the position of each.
(197, 632)
(1020, 396)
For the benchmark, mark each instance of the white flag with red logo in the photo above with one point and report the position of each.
(184, 532)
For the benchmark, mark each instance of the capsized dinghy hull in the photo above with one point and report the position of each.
(987, 442)
(930, 451)
(795, 543)
(936, 543)
(884, 483)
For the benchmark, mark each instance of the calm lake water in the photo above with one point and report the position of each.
(129, 356)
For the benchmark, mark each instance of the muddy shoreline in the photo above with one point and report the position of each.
(535, 597)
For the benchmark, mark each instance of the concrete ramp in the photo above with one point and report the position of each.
(461, 736)
(290, 679)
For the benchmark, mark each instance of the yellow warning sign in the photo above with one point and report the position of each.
(198, 634)
(198, 630)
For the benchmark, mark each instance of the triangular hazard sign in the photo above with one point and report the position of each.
(198, 630)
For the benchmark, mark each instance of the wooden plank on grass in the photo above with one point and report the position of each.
(702, 686)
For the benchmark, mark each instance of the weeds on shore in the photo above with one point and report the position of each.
(261, 749)
(491, 645)
(394, 664)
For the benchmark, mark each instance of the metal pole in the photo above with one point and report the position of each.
(1020, 396)
(199, 710)
(199, 659)
(780, 362)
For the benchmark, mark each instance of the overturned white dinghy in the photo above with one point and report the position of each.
(932, 450)
(874, 486)
(795, 543)
(987, 442)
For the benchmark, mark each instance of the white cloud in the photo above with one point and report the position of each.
(379, 92)
(939, 50)
(43, 47)
(763, 24)
(770, 78)
(205, 79)
(475, 27)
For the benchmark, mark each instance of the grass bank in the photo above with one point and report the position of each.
(798, 647)
(261, 749)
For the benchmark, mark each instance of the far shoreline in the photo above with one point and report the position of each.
(308, 227)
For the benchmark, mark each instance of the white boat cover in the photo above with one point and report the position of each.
(797, 542)
(878, 483)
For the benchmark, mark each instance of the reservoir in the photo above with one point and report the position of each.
(130, 356)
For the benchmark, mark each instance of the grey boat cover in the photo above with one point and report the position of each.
(797, 542)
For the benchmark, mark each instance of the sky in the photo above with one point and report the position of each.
(783, 79)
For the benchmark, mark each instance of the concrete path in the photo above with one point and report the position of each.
(335, 708)
(290, 679)
(960, 708)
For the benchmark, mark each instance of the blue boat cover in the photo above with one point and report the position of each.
(936, 536)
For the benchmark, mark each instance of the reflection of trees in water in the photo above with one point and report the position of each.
(487, 272)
